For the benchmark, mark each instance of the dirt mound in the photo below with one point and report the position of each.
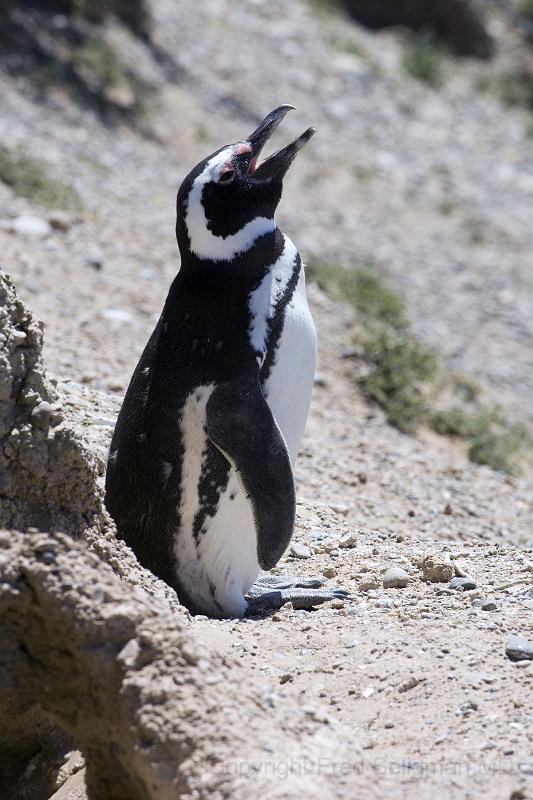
(155, 713)
(47, 475)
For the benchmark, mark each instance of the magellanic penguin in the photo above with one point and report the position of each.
(199, 476)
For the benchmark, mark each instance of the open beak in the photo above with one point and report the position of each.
(275, 165)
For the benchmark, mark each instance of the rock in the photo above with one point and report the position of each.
(461, 23)
(320, 380)
(40, 415)
(340, 508)
(410, 683)
(300, 551)
(395, 578)
(518, 648)
(384, 602)
(119, 315)
(348, 540)
(489, 605)
(467, 583)
(61, 220)
(436, 569)
(329, 572)
(94, 260)
(31, 225)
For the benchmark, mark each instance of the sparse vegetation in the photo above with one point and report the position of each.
(402, 374)
(515, 87)
(400, 367)
(29, 178)
(491, 439)
(344, 44)
(423, 59)
(526, 8)
(104, 71)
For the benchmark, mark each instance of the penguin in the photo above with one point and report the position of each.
(199, 476)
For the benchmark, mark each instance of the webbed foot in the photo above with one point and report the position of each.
(271, 592)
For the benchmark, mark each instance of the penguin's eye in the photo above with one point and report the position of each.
(227, 175)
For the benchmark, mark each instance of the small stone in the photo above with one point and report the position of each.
(329, 572)
(94, 261)
(351, 643)
(467, 583)
(60, 220)
(31, 225)
(489, 605)
(410, 683)
(518, 648)
(285, 678)
(300, 551)
(384, 602)
(337, 603)
(119, 315)
(348, 540)
(395, 578)
(320, 380)
(340, 508)
(40, 416)
(351, 352)
(436, 569)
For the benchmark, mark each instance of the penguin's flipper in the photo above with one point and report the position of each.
(241, 425)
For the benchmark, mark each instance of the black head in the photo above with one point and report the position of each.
(229, 199)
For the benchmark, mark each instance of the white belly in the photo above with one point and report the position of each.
(220, 571)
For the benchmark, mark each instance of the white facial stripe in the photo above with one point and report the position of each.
(204, 243)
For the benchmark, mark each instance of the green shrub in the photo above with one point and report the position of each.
(399, 365)
(30, 179)
(491, 439)
(402, 375)
(400, 370)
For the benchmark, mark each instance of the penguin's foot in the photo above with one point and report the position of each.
(271, 592)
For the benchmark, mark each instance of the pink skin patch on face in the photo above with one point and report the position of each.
(241, 148)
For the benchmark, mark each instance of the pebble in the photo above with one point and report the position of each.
(61, 220)
(466, 584)
(436, 569)
(31, 225)
(489, 605)
(117, 315)
(40, 416)
(410, 683)
(518, 648)
(348, 540)
(384, 602)
(395, 578)
(300, 551)
(329, 572)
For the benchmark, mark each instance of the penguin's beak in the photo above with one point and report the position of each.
(277, 164)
